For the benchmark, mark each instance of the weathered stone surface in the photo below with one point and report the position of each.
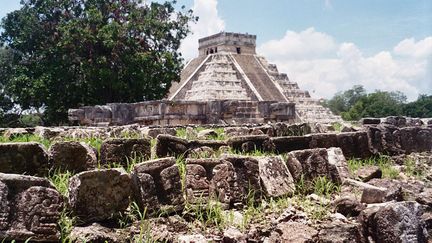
(295, 232)
(368, 173)
(206, 134)
(167, 145)
(384, 139)
(288, 144)
(29, 207)
(313, 163)
(251, 143)
(213, 144)
(247, 176)
(339, 232)
(233, 235)
(11, 133)
(236, 131)
(374, 194)
(96, 233)
(157, 185)
(99, 195)
(23, 158)
(425, 197)
(72, 156)
(323, 140)
(154, 132)
(275, 177)
(121, 150)
(212, 179)
(394, 191)
(201, 152)
(370, 121)
(415, 139)
(48, 132)
(348, 206)
(354, 144)
(394, 222)
(398, 121)
(192, 239)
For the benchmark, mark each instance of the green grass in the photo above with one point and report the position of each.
(27, 138)
(337, 126)
(324, 187)
(384, 163)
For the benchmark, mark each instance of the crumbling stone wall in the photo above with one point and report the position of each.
(30, 206)
(183, 113)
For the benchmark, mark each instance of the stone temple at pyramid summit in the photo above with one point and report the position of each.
(228, 83)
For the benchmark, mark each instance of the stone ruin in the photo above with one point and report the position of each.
(397, 211)
(228, 83)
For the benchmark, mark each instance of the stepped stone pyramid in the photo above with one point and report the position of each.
(228, 68)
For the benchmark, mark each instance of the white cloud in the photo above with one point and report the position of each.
(209, 23)
(409, 47)
(298, 45)
(323, 66)
(328, 5)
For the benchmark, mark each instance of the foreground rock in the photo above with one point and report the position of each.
(120, 151)
(157, 186)
(23, 158)
(394, 222)
(275, 176)
(73, 156)
(29, 208)
(320, 162)
(99, 195)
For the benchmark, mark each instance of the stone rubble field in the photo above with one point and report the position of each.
(278, 182)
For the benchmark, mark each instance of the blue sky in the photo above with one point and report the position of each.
(327, 45)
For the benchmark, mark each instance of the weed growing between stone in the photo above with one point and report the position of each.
(383, 162)
(27, 138)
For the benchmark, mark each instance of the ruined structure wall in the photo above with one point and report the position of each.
(227, 42)
(183, 113)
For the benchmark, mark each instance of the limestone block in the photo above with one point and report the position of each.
(154, 132)
(157, 185)
(214, 179)
(251, 143)
(394, 222)
(29, 207)
(73, 156)
(354, 144)
(23, 158)
(323, 140)
(121, 150)
(275, 178)
(288, 144)
(167, 145)
(99, 195)
(313, 163)
(247, 176)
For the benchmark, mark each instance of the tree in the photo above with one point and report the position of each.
(71, 53)
(421, 108)
(342, 102)
(377, 104)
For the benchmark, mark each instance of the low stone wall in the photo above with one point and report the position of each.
(184, 112)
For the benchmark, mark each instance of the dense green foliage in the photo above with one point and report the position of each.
(63, 54)
(355, 104)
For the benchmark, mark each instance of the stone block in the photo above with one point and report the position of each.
(121, 150)
(247, 175)
(288, 144)
(275, 177)
(323, 140)
(23, 158)
(157, 185)
(354, 144)
(384, 139)
(214, 179)
(394, 222)
(99, 195)
(73, 156)
(167, 145)
(251, 143)
(313, 163)
(370, 121)
(154, 132)
(29, 208)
